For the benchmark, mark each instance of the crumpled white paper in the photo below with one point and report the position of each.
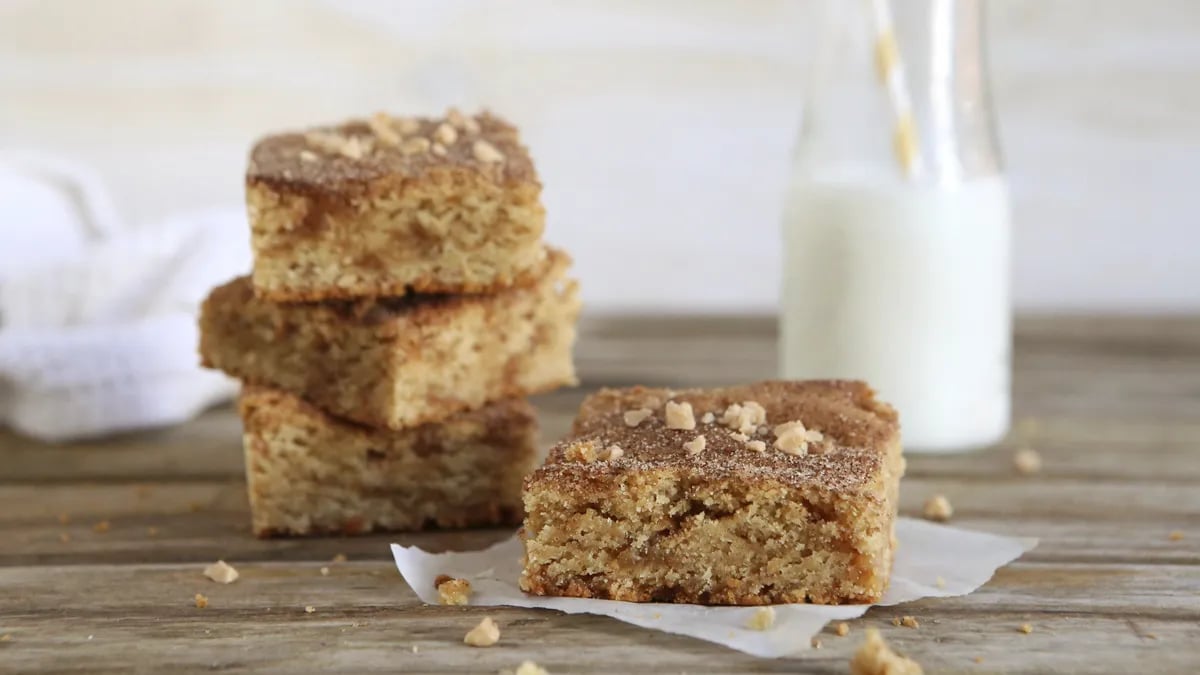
(963, 559)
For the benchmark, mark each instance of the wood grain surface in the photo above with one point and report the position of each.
(1113, 406)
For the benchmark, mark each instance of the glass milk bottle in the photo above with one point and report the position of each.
(896, 229)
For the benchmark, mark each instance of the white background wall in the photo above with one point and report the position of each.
(662, 130)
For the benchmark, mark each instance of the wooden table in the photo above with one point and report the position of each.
(104, 542)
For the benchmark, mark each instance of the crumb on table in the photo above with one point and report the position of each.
(1027, 461)
(842, 629)
(1026, 628)
(201, 601)
(102, 527)
(530, 668)
(486, 634)
(762, 619)
(875, 657)
(309, 609)
(1175, 535)
(451, 590)
(938, 508)
(221, 572)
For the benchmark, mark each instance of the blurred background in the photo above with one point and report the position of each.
(662, 130)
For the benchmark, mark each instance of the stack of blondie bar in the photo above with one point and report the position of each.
(402, 305)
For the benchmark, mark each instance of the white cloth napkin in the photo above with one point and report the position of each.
(931, 561)
(98, 321)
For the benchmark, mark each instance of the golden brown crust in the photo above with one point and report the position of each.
(312, 473)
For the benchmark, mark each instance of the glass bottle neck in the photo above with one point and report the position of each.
(852, 120)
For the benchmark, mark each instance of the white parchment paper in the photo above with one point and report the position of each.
(965, 560)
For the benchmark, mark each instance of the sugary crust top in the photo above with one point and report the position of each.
(351, 157)
(858, 431)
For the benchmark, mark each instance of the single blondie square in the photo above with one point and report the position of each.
(776, 492)
(399, 362)
(309, 472)
(389, 205)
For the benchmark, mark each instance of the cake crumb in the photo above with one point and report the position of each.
(909, 622)
(940, 582)
(708, 418)
(530, 668)
(486, 152)
(340, 558)
(452, 591)
(680, 416)
(842, 629)
(201, 601)
(581, 452)
(612, 452)
(757, 446)
(102, 527)
(794, 438)
(696, 445)
(415, 649)
(381, 125)
(1175, 535)
(438, 149)
(309, 609)
(221, 572)
(635, 417)
(64, 519)
(415, 146)
(324, 571)
(486, 634)
(978, 659)
(6, 637)
(744, 417)
(762, 619)
(739, 436)
(1026, 628)
(445, 134)
(1027, 461)
(816, 643)
(308, 156)
(938, 508)
(875, 657)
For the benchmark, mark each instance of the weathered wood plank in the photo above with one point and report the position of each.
(1085, 618)
(1076, 520)
(1112, 405)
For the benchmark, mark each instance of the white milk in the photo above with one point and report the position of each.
(907, 288)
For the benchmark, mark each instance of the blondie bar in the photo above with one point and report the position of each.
(399, 362)
(312, 473)
(775, 492)
(389, 205)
